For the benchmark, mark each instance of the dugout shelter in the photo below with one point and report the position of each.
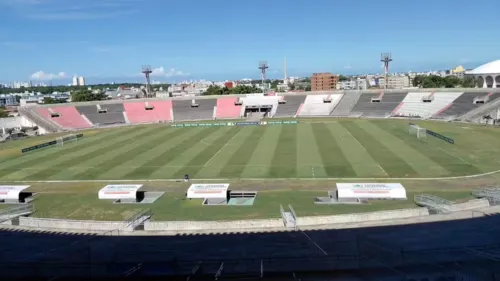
(371, 191)
(128, 194)
(219, 194)
(15, 194)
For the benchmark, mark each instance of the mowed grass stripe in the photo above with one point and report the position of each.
(423, 165)
(309, 163)
(360, 160)
(454, 165)
(137, 161)
(235, 166)
(161, 159)
(284, 163)
(383, 155)
(197, 163)
(334, 161)
(140, 146)
(48, 154)
(89, 153)
(259, 164)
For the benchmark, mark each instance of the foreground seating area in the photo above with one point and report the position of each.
(106, 114)
(65, 116)
(346, 104)
(387, 103)
(227, 108)
(200, 109)
(148, 112)
(425, 105)
(319, 105)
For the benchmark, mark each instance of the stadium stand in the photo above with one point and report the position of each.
(319, 105)
(465, 103)
(148, 112)
(65, 116)
(201, 109)
(289, 105)
(105, 114)
(227, 108)
(368, 108)
(424, 105)
(37, 119)
(346, 104)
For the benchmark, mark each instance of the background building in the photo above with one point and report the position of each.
(81, 81)
(487, 75)
(74, 81)
(324, 81)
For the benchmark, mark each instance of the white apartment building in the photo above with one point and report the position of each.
(395, 82)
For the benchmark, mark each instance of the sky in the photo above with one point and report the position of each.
(110, 40)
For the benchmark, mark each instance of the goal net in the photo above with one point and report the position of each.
(67, 138)
(419, 132)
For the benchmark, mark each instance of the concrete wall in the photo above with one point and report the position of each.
(362, 217)
(469, 205)
(84, 225)
(211, 225)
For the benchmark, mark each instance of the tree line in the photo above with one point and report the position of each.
(434, 81)
(238, 90)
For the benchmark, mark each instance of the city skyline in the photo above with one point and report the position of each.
(57, 39)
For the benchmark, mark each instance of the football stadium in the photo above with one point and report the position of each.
(256, 186)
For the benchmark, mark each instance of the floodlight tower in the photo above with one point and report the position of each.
(263, 68)
(146, 70)
(386, 58)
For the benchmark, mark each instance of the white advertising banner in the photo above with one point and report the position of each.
(213, 190)
(11, 191)
(371, 190)
(119, 191)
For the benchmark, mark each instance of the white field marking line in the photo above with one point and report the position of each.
(380, 167)
(255, 179)
(315, 244)
(222, 148)
(312, 171)
(452, 155)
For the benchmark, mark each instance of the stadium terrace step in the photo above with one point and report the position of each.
(150, 112)
(346, 104)
(424, 105)
(466, 103)
(320, 105)
(227, 109)
(68, 118)
(104, 114)
(291, 106)
(367, 108)
(191, 110)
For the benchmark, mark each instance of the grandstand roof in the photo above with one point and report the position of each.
(488, 68)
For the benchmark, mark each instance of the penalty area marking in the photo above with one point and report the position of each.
(222, 148)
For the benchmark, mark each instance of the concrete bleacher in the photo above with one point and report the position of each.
(465, 103)
(148, 112)
(346, 104)
(387, 104)
(315, 105)
(290, 107)
(114, 114)
(227, 108)
(413, 104)
(69, 117)
(185, 110)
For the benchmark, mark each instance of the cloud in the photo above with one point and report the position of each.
(348, 66)
(71, 9)
(41, 75)
(172, 72)
(12, 44)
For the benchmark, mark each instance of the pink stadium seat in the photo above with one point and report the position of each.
(137, 113)
(226, 109)
(69, 117)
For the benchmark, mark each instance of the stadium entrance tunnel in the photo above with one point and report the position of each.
(233, 198)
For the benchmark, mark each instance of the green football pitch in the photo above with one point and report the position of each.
(312, 149)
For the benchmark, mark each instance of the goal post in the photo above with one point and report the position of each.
(67, 138)
(419, 132)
